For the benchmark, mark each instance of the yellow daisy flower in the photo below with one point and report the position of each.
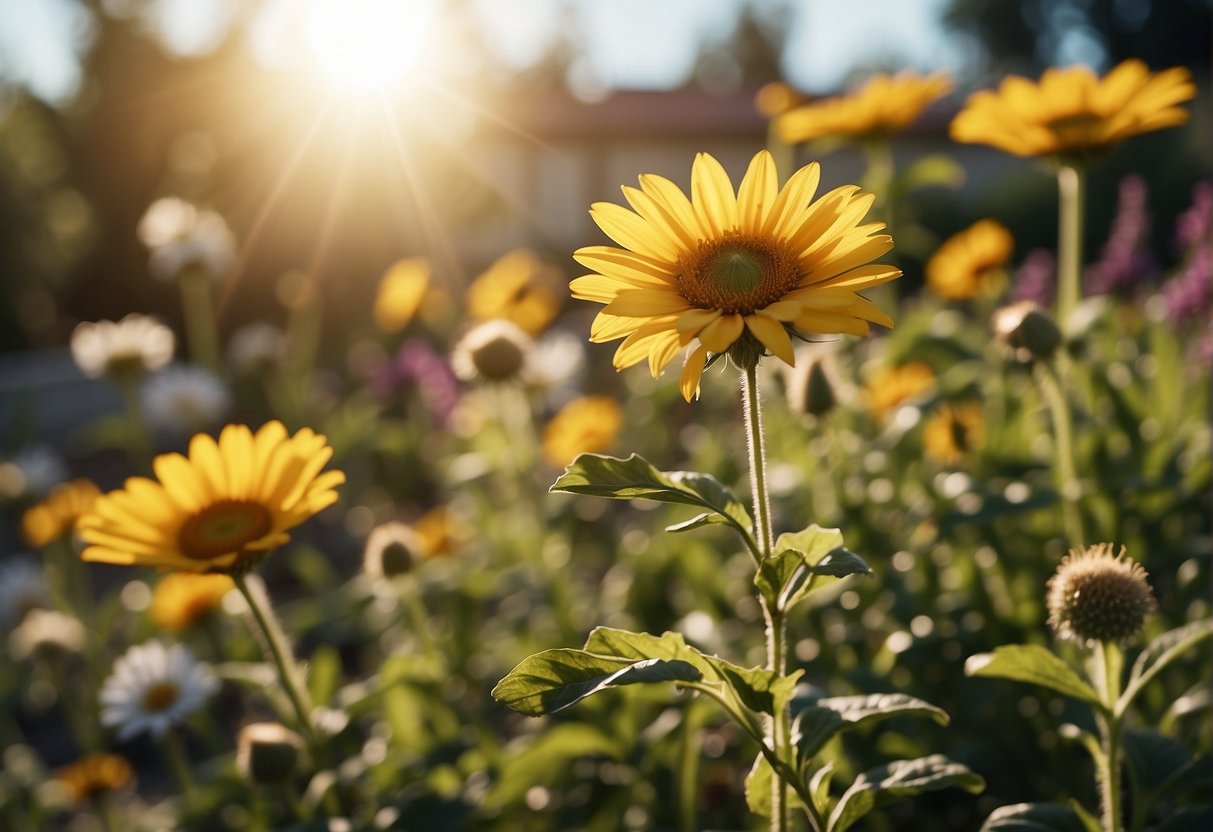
(518, 287)
(94, 774)
(57, 514)
(401, 292)
(886, 104)
(727, 269)
(440, 532)
(1072, 112)
(182, 598)
(583, 426)
(221, 508)
(972, 261)
(953, 431)
(889, 388)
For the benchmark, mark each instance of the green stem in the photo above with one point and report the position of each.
(279, 650)
(138, 438)
(198, 306)
(414, 606)
(878, 179)
(1071, 190)
(1108, 664)
(688, 768)
(1068, 487)
(175, 751)
(778, 730)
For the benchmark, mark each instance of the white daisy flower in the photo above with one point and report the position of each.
(32, 473)
(255, 347)
(135, 345)
(154, 687)
(180, 236)
(184, 399)
(22, 589)
(494, 351)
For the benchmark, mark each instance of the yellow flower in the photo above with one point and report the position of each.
(953, 431)
(439, 532)
(886, 104)
(221, 508)
(1071, 112)
(93, 774)
(518, 287)
(583, 426)
(180, 599)
(724, 268)
(776, 98)
(971, 261)
(888, 389)
(401, 292)
(57, 514)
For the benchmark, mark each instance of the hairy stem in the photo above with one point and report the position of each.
(1108, 667)
(1071, 190)
(1068, 487)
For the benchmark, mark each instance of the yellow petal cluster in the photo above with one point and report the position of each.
(401, 292)
(222, 507)
(583, 426)
(889, 388)
(93, 775)
(182, 598)
(519, 287)
(1071, 112)
(972, 261)
(953, 432)
(720, 266)
(886, 104)
(57, 514)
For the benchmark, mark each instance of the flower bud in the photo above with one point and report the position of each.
(392, 550)
(267, 752)
(819, 398)
(494, 351)
(1096, 596)
(1028, 330)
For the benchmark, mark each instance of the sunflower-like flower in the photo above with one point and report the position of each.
(182, 598)
(93, 775)
(221, 508)
(57, 514)
(953, 432)
(401, 293)
(889, 388)
(1071, 112)
(583, 426)
(886, 104)
(519, 287)
(731, 270)
(1096, 596)
(972, 261)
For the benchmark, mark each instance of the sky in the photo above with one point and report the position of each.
(639, 44)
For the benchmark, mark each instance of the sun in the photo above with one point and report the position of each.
(369, 46)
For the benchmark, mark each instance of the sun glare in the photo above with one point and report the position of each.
(368, 45)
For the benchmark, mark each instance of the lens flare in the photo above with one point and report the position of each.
(369, 45)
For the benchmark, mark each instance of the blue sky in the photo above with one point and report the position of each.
(647, 44)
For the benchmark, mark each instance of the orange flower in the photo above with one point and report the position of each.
(888, 389)
(57, 514)
(972, 261)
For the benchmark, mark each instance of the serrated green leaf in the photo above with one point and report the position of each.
(553, 680)
(758, 787)
(819, 788)
(1159, 653)
(900, 778)
(1033, 817)
(1031, 663)
(635, 478)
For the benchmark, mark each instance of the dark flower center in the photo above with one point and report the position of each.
(737, 273)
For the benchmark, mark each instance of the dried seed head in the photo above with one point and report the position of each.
(267, 752)
(1027, 330)
(1096, 596)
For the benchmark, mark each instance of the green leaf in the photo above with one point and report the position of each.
(901, 778)
(1033, 817)
(869, 708)
(804, 558)
(1159, 765)
(324, 674)
(755, 688)
(812, 729)
(708, 518)
(819, 788)
(1159, 653)
(545, 759)
(1031, 663)
(758, 787)
(635, 478)
(550, 681)
(1195, 819)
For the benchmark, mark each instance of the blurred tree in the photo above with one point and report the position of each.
(1028, 35)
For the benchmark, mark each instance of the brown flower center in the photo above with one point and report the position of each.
(160, 697)
(222, 528)
(737, 273)
(1078, 130)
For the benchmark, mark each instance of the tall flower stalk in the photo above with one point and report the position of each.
(1071, 191)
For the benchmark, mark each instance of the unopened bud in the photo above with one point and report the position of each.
(267, 752)
(1028, 330)
(1096, 596)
